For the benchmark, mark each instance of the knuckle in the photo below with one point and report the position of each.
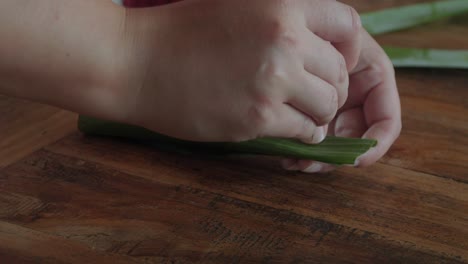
(343, 84)
(338, 66)
(270, 75)
(285, 3)
(331, 109)
(333, 106)
(383, 65)
(343, 73)
(279, 33)
(259, 115)
(289, 41)
(343, 96)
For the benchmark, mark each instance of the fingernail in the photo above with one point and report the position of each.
(356, 163)
(314, 168)
(343, 72)
(319, 135)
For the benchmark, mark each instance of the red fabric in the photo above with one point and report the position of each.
(146, 3)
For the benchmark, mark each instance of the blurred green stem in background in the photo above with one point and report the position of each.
(394, 19)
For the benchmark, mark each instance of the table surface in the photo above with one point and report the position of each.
(69, 198)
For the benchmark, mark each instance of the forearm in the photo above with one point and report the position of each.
(60, 52)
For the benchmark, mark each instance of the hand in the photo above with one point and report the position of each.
(371, 111)
(225, 70)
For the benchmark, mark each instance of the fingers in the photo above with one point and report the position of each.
(324, 61)
(350, 124)
(373, 70)
(306, 166)
(361, 84)
(291, 123)
(315, 98)
(380, 116)
(372, 111)
(379, 97)
(319, 136)
(386, 132)
(338, 23)
(384, 116)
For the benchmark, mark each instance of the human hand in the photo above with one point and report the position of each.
(207, 70)
(371, 111)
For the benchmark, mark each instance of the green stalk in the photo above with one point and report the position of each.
(399, 18)
(333, 150)
(428, 58)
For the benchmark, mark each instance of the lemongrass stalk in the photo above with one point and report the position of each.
(333, 150)
(394, 19)
(428, 58)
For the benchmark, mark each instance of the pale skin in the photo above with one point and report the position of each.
(206, 70)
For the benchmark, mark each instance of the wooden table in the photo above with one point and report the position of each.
(69, 198)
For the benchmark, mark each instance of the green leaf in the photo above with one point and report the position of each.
(399, 18)
(428, 58)
(333, 150)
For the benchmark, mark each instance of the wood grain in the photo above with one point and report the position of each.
(100, 200)
(435, 135)
(220, 209)
(26, 127)
(22, 245)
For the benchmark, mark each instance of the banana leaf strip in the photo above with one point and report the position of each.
(334, 150)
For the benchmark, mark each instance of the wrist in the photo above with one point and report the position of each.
(107, 91)
(133, 62)
(72, 64)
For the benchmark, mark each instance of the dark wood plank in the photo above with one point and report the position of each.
(435, 134)
(26, 127)
(156, 205)
(23, 245)
(359, 183)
